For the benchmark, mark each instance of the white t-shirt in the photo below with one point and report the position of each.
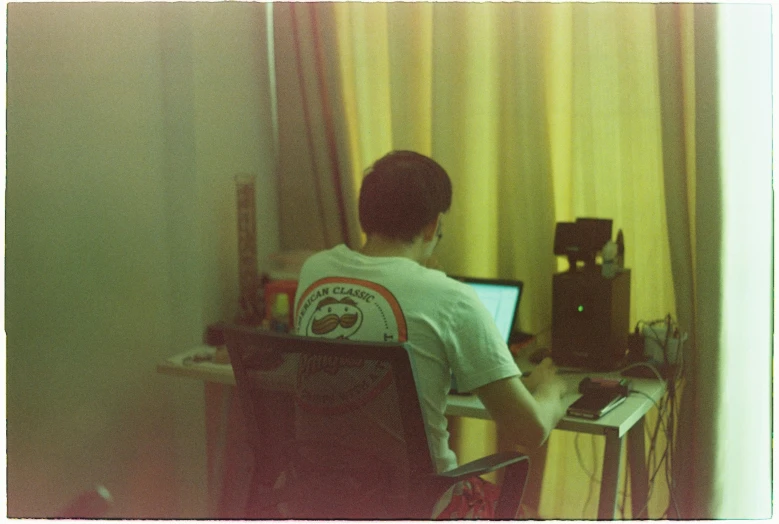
(343, 293)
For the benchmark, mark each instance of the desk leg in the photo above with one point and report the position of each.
(639, 476)
(612, 456)
(217, 402)
(230, 460)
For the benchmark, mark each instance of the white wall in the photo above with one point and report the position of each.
(743, 470)
(126, 124)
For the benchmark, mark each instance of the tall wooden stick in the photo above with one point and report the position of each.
(250, 301)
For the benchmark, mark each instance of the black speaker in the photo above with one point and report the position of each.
(590, 319)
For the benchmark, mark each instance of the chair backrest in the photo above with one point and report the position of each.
(339, 419)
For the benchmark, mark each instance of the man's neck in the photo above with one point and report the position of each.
(377, 246)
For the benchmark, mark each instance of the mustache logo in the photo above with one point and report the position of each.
(329, 322)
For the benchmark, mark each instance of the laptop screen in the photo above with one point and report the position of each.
(501, 298)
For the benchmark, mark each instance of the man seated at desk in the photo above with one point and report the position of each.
(384, 292)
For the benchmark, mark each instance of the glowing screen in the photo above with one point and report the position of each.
(501, 300)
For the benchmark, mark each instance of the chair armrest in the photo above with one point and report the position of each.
(483, 465)
(516, 466)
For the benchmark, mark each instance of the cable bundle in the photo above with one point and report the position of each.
(669, 369)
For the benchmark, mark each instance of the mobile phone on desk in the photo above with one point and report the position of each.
(596, 403)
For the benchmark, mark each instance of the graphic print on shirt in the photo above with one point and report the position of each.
(335, 318)
(341, 308)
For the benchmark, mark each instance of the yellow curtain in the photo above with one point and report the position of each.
(315, 183)
(607, 153)
(677, 83)
(540, 113)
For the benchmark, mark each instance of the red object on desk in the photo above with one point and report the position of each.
(517, 347)
(277, 287)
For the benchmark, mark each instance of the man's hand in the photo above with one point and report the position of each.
(545, 373)
(527, 416)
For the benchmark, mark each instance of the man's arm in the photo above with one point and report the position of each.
(527, 419)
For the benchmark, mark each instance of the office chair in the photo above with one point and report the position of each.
(312, 407)
(91, 504)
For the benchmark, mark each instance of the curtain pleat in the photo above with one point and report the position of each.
(316, 192)
(328, 123)
(410, 63)
(697, 440)
(466, 124)
(526, 192)
(673, 61)
(677, 59)
(364, 67)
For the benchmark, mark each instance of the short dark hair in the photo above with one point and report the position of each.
(401, 193)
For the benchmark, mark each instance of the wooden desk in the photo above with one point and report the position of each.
(625, 422)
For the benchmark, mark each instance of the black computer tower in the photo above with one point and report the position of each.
(590, 319)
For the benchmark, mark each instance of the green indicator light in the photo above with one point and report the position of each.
(580, 308)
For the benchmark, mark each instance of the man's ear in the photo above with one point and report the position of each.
(430, 230)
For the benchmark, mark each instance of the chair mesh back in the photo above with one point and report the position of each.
(336, 426)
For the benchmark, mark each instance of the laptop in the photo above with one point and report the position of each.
(501, 298)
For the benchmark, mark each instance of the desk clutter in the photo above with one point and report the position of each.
(271, 310)
(214, 337)
(591, 309)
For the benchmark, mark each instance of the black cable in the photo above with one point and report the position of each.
(594, 453)
(675, 371)
(657, 406)
(653, 464)
(591, 475)
(625, 491)
(671, 418)
(651, 459)
(670, 436)
(665, 423)
(651, 456)
(663, 458)
(594, 480)
(580, 459)
(671, 440)
(646, 365)
(660, 424)
(679, 377)
(666, 458)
